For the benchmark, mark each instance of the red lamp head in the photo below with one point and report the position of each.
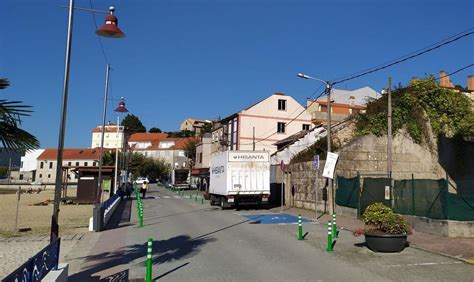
(121, 108)
(110, 28)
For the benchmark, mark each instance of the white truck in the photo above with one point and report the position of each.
(239, 177)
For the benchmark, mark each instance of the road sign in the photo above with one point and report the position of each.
(316, 162)
(330, 165)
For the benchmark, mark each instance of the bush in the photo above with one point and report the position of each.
(379, 218)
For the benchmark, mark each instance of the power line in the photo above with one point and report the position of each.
(98, 37)
(411, 56)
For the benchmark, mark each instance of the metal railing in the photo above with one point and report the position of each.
(38, 266)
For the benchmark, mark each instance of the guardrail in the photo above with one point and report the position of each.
(104, 211)
(36, 268)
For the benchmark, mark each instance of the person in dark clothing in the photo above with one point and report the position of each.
(144, 188)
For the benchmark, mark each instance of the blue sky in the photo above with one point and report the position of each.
(211, 58)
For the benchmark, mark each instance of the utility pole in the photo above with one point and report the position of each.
(389, 127)
(101, 151)
(328, 94)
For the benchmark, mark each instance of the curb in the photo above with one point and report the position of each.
(466, 261)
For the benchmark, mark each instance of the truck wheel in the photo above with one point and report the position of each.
(212, 202)
(222, 202)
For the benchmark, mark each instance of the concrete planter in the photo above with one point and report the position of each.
(388, 243)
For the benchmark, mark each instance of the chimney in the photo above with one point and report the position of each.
(444, 80)
(470, 83)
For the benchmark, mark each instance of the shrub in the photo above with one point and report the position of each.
(379, 218)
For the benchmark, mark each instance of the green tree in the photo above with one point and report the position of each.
(12, 137)
(108, 158)
(448, 112)
(154, 130)
(190, 149)
(206, 128)
(140, 165)
(133, 124)
(181, 134)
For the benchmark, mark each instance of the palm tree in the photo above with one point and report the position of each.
(12, 137)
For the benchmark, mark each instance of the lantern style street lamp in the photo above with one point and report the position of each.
(111, 30)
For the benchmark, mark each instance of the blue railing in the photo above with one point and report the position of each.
(36, 268)
(109, 202)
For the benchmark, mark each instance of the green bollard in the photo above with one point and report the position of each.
(202, 201)
(300, 228)
(329, 248)
(334, 226)
(195, 198)
(148, 277)
(140, 217)
(190, 196)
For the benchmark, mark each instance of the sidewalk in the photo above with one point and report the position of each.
(458, 248)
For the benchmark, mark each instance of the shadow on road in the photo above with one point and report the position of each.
(169, 250)
(176, 214)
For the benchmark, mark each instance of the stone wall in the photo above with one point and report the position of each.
(368, 155)
(302, 178)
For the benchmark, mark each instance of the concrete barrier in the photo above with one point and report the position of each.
(60, 275)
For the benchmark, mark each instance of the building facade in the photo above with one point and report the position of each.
(47, 160)
(114, 137)
(195, 125)
(261, 125)
(445, 82)
(343, 104)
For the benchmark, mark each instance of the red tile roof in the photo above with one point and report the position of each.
(71, 154)
(108, 128)
(140, 137)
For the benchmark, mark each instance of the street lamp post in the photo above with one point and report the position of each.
(120, 109)
(110, 29)
(328, 94)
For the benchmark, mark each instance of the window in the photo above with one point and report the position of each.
(200, 157)
(85, 163)
(49, 175)
(50, 165)
(41, 165)
(93, 163)
(77, 163)
(281, 127)
(69, 163)
(21, 177)
(305, 126)
(41, 176)
(21, 164)
(281, 105)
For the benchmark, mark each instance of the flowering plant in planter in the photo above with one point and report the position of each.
(380, 219)
(384, 231)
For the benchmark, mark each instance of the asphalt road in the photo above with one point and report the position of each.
(196, 242)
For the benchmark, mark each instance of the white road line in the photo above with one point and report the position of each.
(423, 264)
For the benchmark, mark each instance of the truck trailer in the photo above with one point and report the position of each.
(239, 177)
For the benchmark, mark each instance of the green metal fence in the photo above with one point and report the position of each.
(419, 197)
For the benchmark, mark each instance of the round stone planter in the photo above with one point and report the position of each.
(386, 243)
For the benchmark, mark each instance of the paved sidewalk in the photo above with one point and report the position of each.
(459, 248)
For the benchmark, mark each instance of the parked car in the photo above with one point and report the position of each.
(140, 180)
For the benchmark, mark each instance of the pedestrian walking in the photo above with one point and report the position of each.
(144, 188)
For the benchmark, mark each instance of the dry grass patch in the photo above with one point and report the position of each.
(32, 214)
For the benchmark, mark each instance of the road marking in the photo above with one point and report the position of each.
(423, 264)
(167, 197)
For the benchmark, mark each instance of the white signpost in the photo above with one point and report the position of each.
(330, 165)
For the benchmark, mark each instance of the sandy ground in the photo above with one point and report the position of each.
(72, 218)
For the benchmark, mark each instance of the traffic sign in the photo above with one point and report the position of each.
(316, 162)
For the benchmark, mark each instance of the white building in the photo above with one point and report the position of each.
(263, 123)
(29, 160)
(112, 138)
(47, 160)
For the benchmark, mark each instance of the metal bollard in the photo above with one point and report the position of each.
(329, 248)
(334, 226)
(148, 277)
(300, 228)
